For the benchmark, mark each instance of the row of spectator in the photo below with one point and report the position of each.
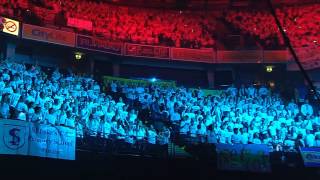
(30, 94)
(301, 25)
(172, 27)
(239, 115)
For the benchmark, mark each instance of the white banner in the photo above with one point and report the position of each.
(52, 141)
(24, 138)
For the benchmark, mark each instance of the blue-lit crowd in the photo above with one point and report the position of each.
(29, 93)
(239, 115)
(246, 115)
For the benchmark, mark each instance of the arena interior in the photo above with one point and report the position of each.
(160, 89)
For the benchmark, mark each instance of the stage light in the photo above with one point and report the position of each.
(153, 79)
(78, 55)
(272, 84)
(269, 69)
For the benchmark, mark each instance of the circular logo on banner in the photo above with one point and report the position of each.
(11, 26)
(14, 136)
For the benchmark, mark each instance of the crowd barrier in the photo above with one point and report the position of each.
(147, 51)
(113, 145)
(193, 55)
(33, 139)
(311, 156)
(96, 44)
(48, 35)
(240, 157)
(207, 55)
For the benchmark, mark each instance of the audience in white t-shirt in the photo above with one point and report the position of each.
(69, 100)
(244, 115)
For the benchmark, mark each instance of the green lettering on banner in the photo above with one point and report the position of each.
(130, 82)
(209, 92)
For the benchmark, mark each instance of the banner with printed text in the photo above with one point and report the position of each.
(48, 35)
(194, 55)
(25, 138)
(243, 157)
(136, 50)
(95, 44)
(311, 157)
(52, 141)
(209, 92)
(109, 79)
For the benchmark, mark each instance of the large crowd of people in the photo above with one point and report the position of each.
(13, 8)
(238, 115)
(136, 25)
(244, 115)
(188, 29)
(145, 26)
(28, 93)
(300, 23)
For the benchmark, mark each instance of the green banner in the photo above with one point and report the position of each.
(131, 82)
(161, 83)
(209, 92)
